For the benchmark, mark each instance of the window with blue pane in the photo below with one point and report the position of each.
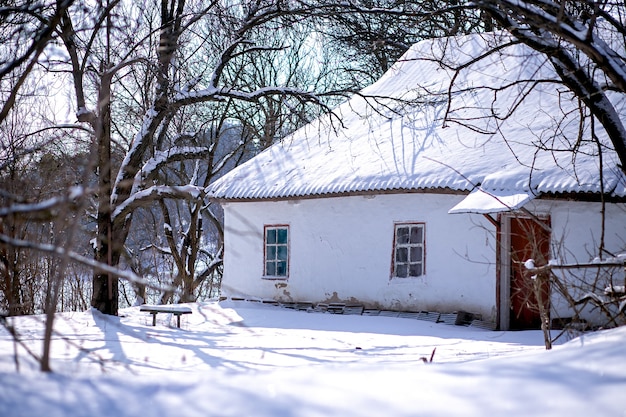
(408, 250)
(276, 251)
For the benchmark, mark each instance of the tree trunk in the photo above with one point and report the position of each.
(105, 286)
(539, 285)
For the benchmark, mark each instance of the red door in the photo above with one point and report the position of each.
(529, 240)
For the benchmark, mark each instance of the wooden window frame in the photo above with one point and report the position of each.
(409, 246)
(275, 260)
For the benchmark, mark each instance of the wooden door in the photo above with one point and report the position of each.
(529, 240)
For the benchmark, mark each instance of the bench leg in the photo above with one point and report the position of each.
(153, 318)
(178, 320)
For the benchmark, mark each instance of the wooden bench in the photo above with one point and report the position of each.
(171, 309)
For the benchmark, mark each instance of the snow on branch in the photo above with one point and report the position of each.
(160, 249)
(46, 209)
(619, 261)
(133, 157)
(217, 94)
(211, 267)
(157, 192)
(223, 162)
(90, 262)
(162, 158)
(544, 21)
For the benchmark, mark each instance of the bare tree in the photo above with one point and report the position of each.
(370, 35)
(234, 131)
(27, 28)
(142, 75)
(247, 34)
(584, 41)
(152, 146)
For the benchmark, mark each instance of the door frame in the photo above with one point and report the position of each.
(503, 262)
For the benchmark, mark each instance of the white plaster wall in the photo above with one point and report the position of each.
(341, 250)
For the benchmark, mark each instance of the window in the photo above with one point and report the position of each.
(408, 251)
(276, 251)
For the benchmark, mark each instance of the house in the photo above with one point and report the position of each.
(383, 204)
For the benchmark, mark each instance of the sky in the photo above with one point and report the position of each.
(251, 359)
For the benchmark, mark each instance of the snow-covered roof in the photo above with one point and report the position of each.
(391, 137)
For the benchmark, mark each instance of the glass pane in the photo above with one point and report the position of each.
(402, 254)
(401, 271)
(415, 270)
(416, 254)
(282, 253)
(281, 268)
(282, 236)
(271, 252)
(402, 235)
(417, 234)
(270, 268)
(271, 236)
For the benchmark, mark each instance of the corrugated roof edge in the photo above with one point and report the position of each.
(309, 196)
(569, 196)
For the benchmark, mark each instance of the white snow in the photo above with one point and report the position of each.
(492, 201)
(175, 153)
(395, 137)
(250, 359)
(187, 192)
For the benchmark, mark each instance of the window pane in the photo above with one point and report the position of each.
(417, 234)
(270, 268)
(408, 251)
(271, 252)
(282, 253)
(281, 268)
(402, 235)
(401, 271)
(416, 254)
(415, 270)
(271, 236)
(276, 251)
(282, 236)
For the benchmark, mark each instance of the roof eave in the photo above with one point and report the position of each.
(563, 196)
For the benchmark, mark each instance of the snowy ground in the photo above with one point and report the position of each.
(246, 359)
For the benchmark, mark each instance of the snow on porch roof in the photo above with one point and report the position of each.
(392, 136)
(492, 201)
